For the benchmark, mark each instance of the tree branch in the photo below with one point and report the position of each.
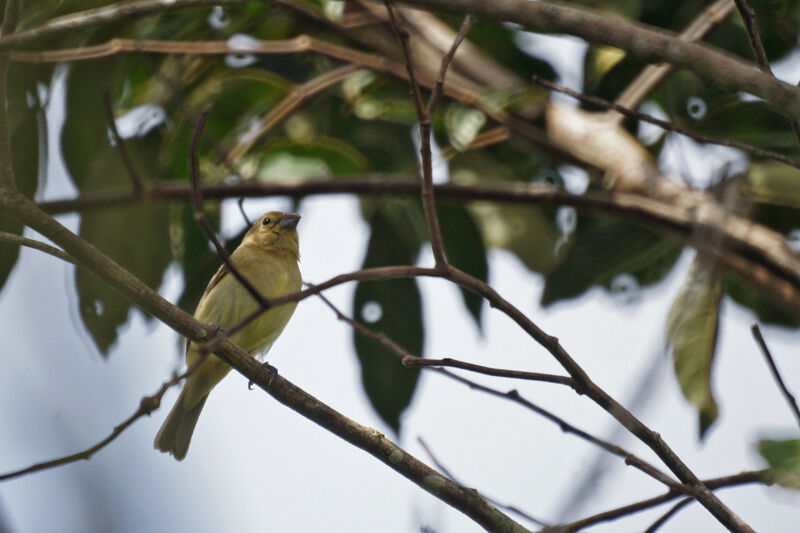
(10, 238)
(136, 181)
(652, 75)
(147, 405)
(425, 115)
(743, 478)
(514, 396)
(714, 66)
(775, 372)
(412, 361)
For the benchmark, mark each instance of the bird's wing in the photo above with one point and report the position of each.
(221, 273)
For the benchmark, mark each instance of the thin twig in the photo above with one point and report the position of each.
(438, 88)
(790, 399)
(516, 510)
(12, 239)
(413, 361)
(200, 216)
(753, 150)
(136, 181)
(515, 397)
(147, 405)
(669, 514)
(240, 203)
(743, 478)
(424, 117)
(749, 19)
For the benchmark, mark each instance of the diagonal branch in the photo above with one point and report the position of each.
(136, 181)
(790, 400)
(147, 405)
(411, 361)
(16, 240)
(425, 115)
(200, 215)
(743, 478)
(668, 126)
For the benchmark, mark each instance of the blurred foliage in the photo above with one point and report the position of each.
(364, 125)
(393, 308)
(692, 328)
(783, 457)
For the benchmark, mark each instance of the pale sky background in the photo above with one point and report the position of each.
(254, 465)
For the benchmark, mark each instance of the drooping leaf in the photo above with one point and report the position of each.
(783, 457)
(463, 245)
(692, 328)
(394, 308)
(25, 122)
(602, 250)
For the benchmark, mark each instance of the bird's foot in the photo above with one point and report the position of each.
(272, 373)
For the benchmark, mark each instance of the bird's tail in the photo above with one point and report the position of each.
(176, 432)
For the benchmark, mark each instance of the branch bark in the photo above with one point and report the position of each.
(650, 44)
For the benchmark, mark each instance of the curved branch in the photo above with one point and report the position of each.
(10, 238)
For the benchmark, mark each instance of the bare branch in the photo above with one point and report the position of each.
(147, 405)
(200, 216)
(645, 42)
(12, 239)
(749, 18)
(136, 181)
(438, 89)
(775, 372)
(652, 75)
(743, 478)
(515, 397)
(410, 360)
(668, 126)
(424, 116)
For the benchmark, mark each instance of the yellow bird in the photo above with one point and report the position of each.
(267, 257)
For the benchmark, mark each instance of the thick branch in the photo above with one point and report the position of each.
(716, 67)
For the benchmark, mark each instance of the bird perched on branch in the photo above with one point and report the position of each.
(267, 258)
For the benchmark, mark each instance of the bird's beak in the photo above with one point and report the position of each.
(289, 221)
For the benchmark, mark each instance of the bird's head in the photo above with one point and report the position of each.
(275, 230)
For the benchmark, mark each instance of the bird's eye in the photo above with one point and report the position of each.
(265, 222)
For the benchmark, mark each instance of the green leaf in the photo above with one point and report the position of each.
(463, 245)
(757, 301)
(25, 118)
(136, 238)
(783, 457)
(600, 250)
(394, 308)
(692, 328)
